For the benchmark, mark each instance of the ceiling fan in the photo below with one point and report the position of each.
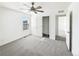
(33, 8)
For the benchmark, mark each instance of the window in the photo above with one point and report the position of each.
(25, 25)
(25, 22)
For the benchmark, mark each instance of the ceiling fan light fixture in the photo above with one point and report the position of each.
(34, 9)
(32, 3)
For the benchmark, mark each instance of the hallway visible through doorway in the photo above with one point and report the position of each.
(45, 22)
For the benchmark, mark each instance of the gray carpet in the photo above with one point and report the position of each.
(35, 46)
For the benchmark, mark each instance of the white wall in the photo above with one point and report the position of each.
(37, 24)
(52, 25)
(11, 25)
(74, 7)
(33, 24)
(37, 29)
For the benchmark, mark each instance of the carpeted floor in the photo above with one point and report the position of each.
(35, 46)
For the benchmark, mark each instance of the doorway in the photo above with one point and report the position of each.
(60, 27)
(45, 27)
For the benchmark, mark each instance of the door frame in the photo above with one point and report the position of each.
(70, 43)
(42, 26)
(56, 23)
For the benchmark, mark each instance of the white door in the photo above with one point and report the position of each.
(67, 36)
(69, 32)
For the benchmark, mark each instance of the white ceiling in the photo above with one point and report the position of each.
(45, 5)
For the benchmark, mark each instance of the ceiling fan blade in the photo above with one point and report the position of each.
(24, 9)
(39, 7)
(39, 10)
(26, 5)
(35, 12)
